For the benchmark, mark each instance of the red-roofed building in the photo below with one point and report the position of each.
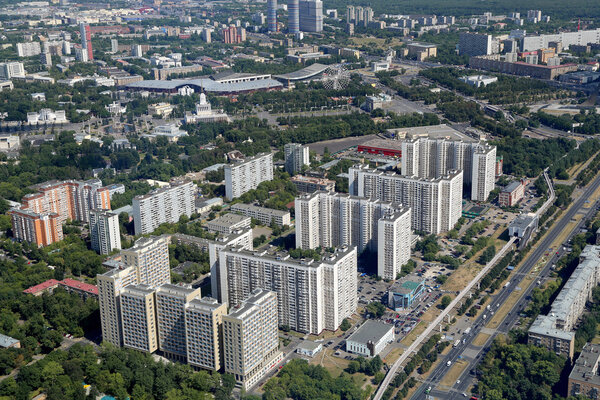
(70, 285)
(47, 286)
(81, 288)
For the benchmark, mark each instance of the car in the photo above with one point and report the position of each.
(464, 394)
(458, 382)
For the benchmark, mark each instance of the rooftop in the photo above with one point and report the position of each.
(252, 207)
(41, 287)
(207, 85)
(586, 366)
(370, 331)
(85, 287)
(228, 220)
(304, 73)
(308, 345)
(511, 187)
(7, 341)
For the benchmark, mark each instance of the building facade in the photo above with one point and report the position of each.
(138, 318)
(311, 15)
(555, 331)
(247, 175)
(204, 333)
(326, 219)
(162, 205)
(475, 44)
(312, 295)
(104, 231)
(293, 16)
(432, 158)
(266, 216)
(251, 338)
(296, 157)
(41, 215)
(435, 203)
(272, 15)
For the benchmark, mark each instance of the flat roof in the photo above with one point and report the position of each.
(511, 187)
(383, 144)
(7, 341)
(371, 331)
(586, 366)
(257, 209)
(522, 221)
(227, 220)
(309, 345)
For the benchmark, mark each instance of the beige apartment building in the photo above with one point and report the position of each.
(204, 333)
(251, 339)
(171, 301)
(138, 318)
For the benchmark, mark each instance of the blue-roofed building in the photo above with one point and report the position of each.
(8, 342)
(403, 293)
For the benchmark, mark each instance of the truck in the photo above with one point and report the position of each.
(456, 343)
(468, 330)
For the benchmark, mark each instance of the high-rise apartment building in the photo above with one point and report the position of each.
(296, 157)
(204, 333)
(435, 203)
(28, 49)
(272, 15)
(433, 158)
(9, 70)
(147, 263)
(166, 204)
(138, 318)
(86, 40)
(42, 229)
(311, 15)
(171, 301)
(475, 44)
(234, 34)
(312, 295)
(247, 175)
(393, 243)
(294, 16)
(251, 338)
(350, 14)
(333, 220)
(151, 258)
(110, 286)
(114, 45)
(483, 174)
(104, 231)
(67, 200)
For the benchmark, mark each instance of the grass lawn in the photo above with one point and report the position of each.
(481, 339)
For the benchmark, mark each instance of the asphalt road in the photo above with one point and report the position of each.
(466, 379)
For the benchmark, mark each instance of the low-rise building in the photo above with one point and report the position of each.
(370, 339)
(511, 194)
(555, 331)
(405, 292)
(163, 110)
(478, 80)
(266, 216)
(206, 205)
(170, 131)
(228, 223)
(308, 184)
(584, 379)
(422, 51)
(7, 342)
(309, 348)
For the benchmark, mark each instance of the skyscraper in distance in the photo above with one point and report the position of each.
(311, 15)
(272, 15)
(294, 16)
(86, 40)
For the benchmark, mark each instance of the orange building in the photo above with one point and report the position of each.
(42, 229)
(41, 215)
